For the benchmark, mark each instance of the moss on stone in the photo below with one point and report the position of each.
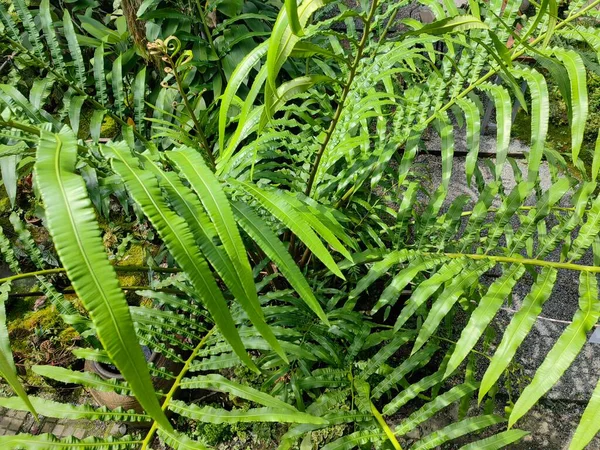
(109, 128)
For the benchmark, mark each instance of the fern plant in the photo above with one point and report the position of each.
(292, 191)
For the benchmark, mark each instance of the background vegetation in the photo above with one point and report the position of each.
(232, 185)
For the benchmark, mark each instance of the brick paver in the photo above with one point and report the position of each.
(14, 422)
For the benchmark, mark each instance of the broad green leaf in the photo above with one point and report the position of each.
(179, 240)
(281, 45)
(291, 9)
(565, 349)
(481, 317)
(519, 327)
(497, 441)
(579, 96)
(241, 72)
(596, 159)
(215, 415)
(456, 430)
(71, 220)
(75, 112)
(10, 176)
(208, 188)
(40, 90)
(266, 239)
(276, 204)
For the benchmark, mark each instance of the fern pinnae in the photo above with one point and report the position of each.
(179, 441)
(212, 196)
(50, 442)
(427, 288)
(9, 24)
(503, 105)
(216, 415)
(481, 317)
(59, 410)
(540, 113)
(448, 298)
(139, 96)
(74, 49)
(179, 240)
(32, 32)
(519, 327)
(8, 369)
(587, 232)
(410, 364)
(429, 409)
(78, 243)
(117, 85)
(579, 98)
(565, 349)
(497, 441)
(87, 379)
(588, 425)
(456, 430)
(8, 253)
(27, 240)
(99, 75)
(50, 35)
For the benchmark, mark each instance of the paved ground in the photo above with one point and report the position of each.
(14, 422)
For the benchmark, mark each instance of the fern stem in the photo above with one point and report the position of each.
(175, 387)
(209, 38)
(524, 261)
(117, 268)
(345, 92)
(186, 102)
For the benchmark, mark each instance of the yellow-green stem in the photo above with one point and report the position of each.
(175, 387)
(117, 268)
(524, 261)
